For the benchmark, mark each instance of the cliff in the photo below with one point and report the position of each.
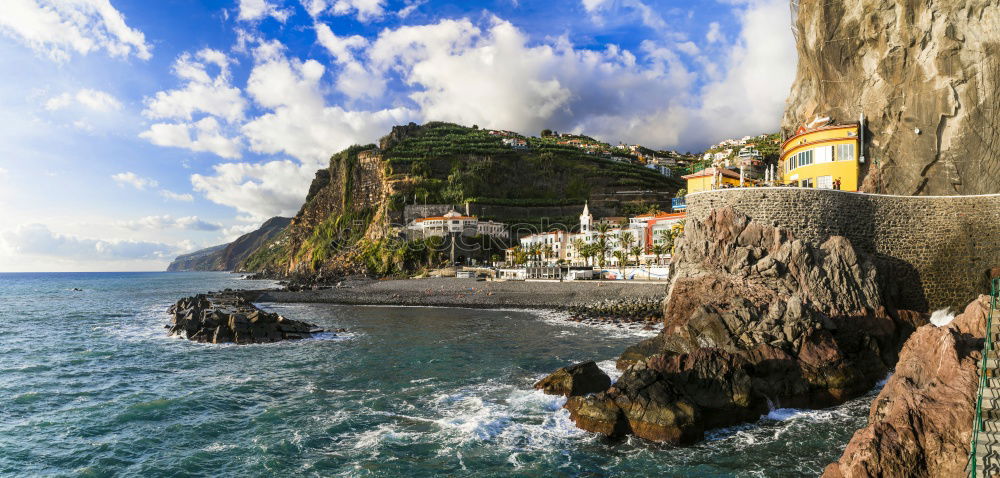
(227, 257)
(926, 75)
(349, 222)
(920, 425)
(755, 318)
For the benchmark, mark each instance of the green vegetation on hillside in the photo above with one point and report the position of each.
(447, 163)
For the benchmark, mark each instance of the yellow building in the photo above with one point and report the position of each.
(706, 179)
(821, 157)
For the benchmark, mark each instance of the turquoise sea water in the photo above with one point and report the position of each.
(91, 386)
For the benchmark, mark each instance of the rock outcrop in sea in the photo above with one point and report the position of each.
(228, 317)
(920, 425)
(754, 319)
(578, 379)
(926, 75)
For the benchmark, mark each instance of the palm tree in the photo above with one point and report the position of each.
(579, 245)
(589, 252)
(658, 251)
(625, 241)
(520, 256)
(637, 252)
(535, 251)
(622, 257)
(602, 247)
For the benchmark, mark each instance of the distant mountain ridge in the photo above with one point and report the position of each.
(228, 257)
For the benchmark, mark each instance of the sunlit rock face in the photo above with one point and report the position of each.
(926, 75)
(755, 319)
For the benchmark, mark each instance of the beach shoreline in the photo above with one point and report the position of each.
(451, 292)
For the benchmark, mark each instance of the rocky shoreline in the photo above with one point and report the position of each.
(229, 317)
(754, 319)
(609, 303)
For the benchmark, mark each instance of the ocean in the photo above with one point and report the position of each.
(90, 385)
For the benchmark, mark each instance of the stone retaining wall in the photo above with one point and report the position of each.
(936, 250)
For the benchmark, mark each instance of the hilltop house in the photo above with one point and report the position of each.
(454, 222)
(515, 143)
(711, 178)
(821, 157)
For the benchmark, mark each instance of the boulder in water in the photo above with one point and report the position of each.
(579, 379)
(228, 317)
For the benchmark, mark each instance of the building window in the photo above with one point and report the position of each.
(824, 154)
(806, 183)
(845, 152)
(805, 158)
(824, 182)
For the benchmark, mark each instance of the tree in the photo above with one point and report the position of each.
(546, 132)
(536, 252)
(622, 257)
(682, 192)
(636, 251)
(520, 256)
(658, 251)
(602, 229)
(626, 240)
(579, 245)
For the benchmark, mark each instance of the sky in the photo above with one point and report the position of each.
(134, 131)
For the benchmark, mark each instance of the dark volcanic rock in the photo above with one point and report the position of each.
(754, 319)
(229, 317)
(578, 379)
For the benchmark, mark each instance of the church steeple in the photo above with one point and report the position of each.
(586, 219)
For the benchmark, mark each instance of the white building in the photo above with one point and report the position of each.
(644, 231)
(454, 222)
(516, 143)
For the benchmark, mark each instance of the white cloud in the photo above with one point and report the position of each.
(276, 188)
(190, 223)
(759, 70)
(91, 99)
(203, 93)
(38, 239)
(355, 80)
(492, 77)
(364, 10)
(252, 10)
(201, 136)
(59, 28)
(184, 197)
(600, 10)
(134, 180)
(714, 34)
(413, 5)
(300, 123)
(59, 102)
(230, 234)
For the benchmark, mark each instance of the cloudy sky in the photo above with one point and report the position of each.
(137, 130)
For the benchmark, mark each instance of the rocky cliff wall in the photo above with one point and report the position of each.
(755, 318)
(926, 75)
(920, 425)
(936, 250)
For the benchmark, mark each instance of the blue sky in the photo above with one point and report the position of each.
(136, 130)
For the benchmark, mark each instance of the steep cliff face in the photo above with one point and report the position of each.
(926, 75)
(920, 424)
(228, 257)
(347, 204)
(754, 318)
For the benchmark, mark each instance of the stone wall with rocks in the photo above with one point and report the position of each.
(937, 249)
